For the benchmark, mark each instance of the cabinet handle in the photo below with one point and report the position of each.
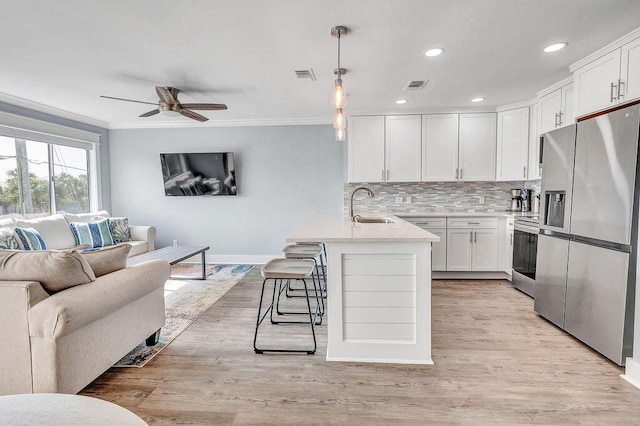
(511, 240)
(620, 90)
(560, 114)
(461, 173)
(382, 174)
(555, 120)
(613, 87)
(473, 223)
(524, 172)
(470, 236)
(475, 237)
(457, 173)
(387, 174)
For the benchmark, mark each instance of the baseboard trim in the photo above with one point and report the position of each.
(632, 372)
(471, 275)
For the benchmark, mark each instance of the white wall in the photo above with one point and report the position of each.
(285, 174)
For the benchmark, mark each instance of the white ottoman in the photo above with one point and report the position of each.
(62, 409)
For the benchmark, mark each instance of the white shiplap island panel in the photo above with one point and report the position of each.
(379, 289)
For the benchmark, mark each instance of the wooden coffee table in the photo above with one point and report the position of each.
(173, 255)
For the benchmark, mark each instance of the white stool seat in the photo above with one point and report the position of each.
(303, 251)
(295, 269)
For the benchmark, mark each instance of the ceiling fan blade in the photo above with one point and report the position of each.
(205, 106)
(193, 115)
(150, 113)
(166, 94)
(128, 100)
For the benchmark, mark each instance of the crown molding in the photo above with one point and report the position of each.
(36, 106)
(174, 124)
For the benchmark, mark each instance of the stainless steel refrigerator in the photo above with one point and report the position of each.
(587, 247)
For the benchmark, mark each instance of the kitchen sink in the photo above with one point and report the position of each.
(363, 219)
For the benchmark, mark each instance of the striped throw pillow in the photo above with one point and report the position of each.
(94, 234)
(29, 239)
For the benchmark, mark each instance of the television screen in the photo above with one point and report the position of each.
(199, 173)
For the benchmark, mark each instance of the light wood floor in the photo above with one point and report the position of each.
(496, 362)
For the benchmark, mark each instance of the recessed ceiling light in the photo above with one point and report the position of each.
(480, 99)
(555, 47)
(436, 51)
(401, 101)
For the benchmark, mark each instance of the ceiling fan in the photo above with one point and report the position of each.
(169, 103)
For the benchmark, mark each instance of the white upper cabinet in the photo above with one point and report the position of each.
(512, 144)
(366, 149)
(608, 77)
(597, 84)
(403, 153)
(630, 70)
(555, 109)
(439, 147)
(477, 147)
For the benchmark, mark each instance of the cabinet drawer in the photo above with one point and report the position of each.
(431, 222)
(472, 222)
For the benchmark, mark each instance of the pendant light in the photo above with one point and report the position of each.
(339, 94)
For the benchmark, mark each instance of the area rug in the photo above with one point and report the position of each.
(185, 301)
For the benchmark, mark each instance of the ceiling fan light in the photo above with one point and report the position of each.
(340, 135)
(338, 120)
(170, 113)
(339, 94)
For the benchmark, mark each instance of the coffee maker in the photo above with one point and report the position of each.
(520, 200)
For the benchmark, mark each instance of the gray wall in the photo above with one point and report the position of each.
(285, 174)
(104, 197)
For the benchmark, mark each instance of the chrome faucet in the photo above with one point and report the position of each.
(370, 192)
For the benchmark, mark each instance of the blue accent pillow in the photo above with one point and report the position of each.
(94, 234)
(29, 239)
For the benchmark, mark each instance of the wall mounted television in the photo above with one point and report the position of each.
(199, 173)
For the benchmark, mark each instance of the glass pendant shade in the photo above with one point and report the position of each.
(339, 120)
(339, 94)
(340, 134)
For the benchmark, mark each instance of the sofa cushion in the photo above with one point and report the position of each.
(7, 239)
(86, 217)
(29, 239)
(54, 230)
(55, 270)
(69, 310)
(108, 259)
(119, 227)
(138, 247)
(95, 234)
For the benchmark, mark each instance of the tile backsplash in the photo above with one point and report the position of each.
(430, 197)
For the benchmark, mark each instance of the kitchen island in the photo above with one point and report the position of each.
(379, 288)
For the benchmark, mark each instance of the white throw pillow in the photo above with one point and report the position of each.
(86, 217)
(54, 229)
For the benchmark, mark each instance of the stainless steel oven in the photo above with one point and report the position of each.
(525, 250)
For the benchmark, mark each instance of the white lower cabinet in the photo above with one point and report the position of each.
(437, 226)
(472, 244)
(509, 245)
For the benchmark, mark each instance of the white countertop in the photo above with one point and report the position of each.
(463, 214)
(338, 228)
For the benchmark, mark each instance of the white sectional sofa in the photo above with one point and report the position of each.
(60, 340)
(57, 234)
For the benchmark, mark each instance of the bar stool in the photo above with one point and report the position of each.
(279, 270)
(312, 252)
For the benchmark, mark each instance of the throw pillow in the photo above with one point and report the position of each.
(7, 240)
(55, 270)
(119, 227)
(29, 239)
(95, 234)
(107, 260)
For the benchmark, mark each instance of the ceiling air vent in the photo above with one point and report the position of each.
(416, 84)
(306, 75)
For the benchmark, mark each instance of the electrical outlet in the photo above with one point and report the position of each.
(399, 200)
(175, 243)
(408, 200)
(481, 199)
